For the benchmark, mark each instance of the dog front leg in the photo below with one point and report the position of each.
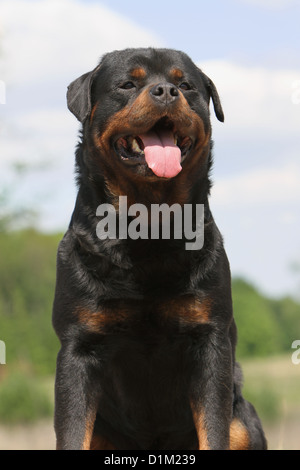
(76, 402)
(211, 393)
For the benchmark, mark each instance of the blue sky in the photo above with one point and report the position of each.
(251, 50)
(251, 31)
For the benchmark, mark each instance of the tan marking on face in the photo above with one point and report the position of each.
(138, 73)
(141, 115)
(176, 74)
(137, 118)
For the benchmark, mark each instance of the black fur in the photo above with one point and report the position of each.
(134, 371)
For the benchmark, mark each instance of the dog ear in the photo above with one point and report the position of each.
(212, 90)
(79, 95)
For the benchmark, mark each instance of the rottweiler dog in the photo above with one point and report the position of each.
(147, 358)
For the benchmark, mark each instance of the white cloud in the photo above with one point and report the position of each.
(53, 39)
(37, 136)
(260, 134)
(257, 98)
(261, 186)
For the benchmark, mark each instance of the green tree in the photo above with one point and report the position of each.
(258, 331)
(27, 282)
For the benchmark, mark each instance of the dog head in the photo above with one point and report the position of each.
(145, 114)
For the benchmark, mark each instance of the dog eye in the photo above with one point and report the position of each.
(184, 86)
(127, 85)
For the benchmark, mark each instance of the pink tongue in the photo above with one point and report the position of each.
(161, 153)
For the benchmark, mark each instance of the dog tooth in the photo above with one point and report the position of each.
(135, 146)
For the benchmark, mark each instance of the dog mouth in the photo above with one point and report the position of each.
(162, 148)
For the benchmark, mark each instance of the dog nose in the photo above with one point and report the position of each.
(165, 93)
